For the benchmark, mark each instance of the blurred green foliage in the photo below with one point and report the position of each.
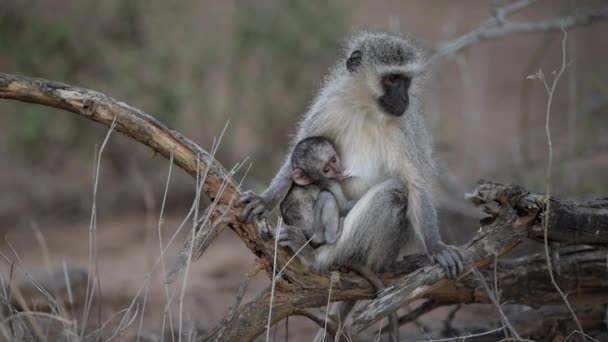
(282, 50)
(109, 51)
(182, 62)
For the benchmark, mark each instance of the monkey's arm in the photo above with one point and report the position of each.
(344, 205)
(262, 204)
(281, 183)
(423, 217)
(345, 209)
(326, 225)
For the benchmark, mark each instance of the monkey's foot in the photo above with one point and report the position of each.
(291, 237)
(450, 258)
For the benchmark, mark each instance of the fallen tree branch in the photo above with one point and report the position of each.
(140, 126)
(513, 219)
(504, 232)
(498, 26)
(533, 324)
(514, 214)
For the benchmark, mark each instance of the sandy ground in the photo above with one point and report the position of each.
(126, 253)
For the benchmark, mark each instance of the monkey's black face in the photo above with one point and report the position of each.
(395, 99)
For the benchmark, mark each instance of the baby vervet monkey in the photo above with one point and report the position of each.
(315, 203)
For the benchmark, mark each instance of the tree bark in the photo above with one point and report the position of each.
(514, 214)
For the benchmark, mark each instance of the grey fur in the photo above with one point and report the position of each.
(390, 158)
(315, 208)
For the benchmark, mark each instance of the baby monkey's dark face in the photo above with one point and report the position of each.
(317, 162)
(329, 166)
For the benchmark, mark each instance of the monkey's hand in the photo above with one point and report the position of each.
(254, 205)
(449, 257)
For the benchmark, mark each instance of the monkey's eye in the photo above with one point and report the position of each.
(333, 159)
(326, 170)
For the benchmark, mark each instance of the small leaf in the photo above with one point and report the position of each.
(539, 75)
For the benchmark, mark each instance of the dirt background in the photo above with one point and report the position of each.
(198, 64)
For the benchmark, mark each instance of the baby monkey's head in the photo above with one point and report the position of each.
(315, 161)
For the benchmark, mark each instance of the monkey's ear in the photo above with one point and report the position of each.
(353, 61)
(300, 178)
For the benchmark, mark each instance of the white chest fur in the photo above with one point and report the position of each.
(366, 141)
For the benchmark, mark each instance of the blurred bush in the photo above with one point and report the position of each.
(182, 62)
(282, 50)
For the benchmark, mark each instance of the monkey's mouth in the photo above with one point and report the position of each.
(346, 174)
(394, 106)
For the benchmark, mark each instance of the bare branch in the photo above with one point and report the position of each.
(516, 217)
(296, 288)
(550, 92)
(494, 29)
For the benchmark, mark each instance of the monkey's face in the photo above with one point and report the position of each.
(320, 168)
(385, 65)
(332, 168)
(315, 160)
(395, 99)
(326, 165)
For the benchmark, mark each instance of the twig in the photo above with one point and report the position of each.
(448, 329)
(496, 303)
(280, 273)
(197, 196)
(493, 28)
(274, 278)
(331, 283)
(326, 323)
(465, 337)
(239, 295)
(497, 295)
(550, 92)
(148, 276)
(160, 242)
(582, 333)
(92, 232)
(418, 312)
(141, 317)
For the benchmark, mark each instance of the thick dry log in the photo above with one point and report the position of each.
(549, 323)
(253, 315)
(526, 281)
(506, 230)
(572, 223)
(514, 214)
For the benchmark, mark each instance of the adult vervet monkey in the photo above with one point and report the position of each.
(369, 108)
